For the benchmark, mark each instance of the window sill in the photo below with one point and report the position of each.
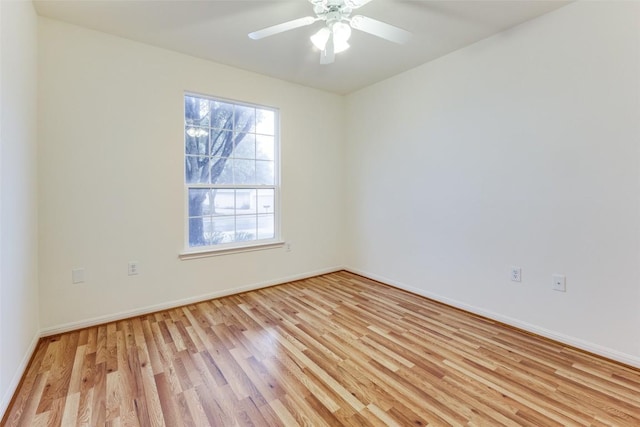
(195, 254)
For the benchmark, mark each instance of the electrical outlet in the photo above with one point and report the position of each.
(134, 268)
(559, 283)
(516, 274)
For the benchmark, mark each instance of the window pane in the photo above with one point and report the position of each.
(224, 202)
(221, 115)
(221, 143)
(266, 226)
(245, 119)
(245, 202)
(199, 202)
(196, 169)
(196, 140)
(265, 122)
(265, 147)
(244, 171)
(222, 230)
(196, 232)
(264, 173)
(245, 228)
(245, 146)
(207, 229)
(265, 201)
(221, 170)
(196, 111)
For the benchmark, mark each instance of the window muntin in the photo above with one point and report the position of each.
(231, 173)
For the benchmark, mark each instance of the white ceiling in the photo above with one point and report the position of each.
(217, 30)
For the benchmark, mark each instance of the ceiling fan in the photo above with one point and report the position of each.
(333, 37)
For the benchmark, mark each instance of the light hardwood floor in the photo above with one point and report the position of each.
(332, 350)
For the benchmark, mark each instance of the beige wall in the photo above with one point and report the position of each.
(18, 194)
(521, 150)
(111, 177)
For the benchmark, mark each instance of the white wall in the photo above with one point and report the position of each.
(111, 177)
(18, 193)
(520, 150)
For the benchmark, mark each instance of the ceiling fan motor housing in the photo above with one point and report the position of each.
(332, 11)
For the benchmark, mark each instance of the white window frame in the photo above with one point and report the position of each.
(242, 246)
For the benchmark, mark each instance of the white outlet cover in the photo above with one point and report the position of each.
(516, 274)
(133, 268)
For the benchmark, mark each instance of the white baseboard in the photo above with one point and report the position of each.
(71, 326)
(17, 376)
(606, 352)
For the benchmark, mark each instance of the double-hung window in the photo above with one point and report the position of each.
(231, 174)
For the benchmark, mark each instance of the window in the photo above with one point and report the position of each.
(231, 174)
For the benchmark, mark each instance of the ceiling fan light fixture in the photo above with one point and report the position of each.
(341, 32)
(340, 46)
(321, 38)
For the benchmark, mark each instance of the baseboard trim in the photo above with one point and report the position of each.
(17, 377)
(587, 346)
(99, 320)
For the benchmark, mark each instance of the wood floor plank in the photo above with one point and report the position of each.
(99, 402)
(112, 404)
(332, 350)
(70, 412)
(194, 408)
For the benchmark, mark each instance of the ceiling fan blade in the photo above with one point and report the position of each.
(280, 28)
(328, 55)
(380, 29)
